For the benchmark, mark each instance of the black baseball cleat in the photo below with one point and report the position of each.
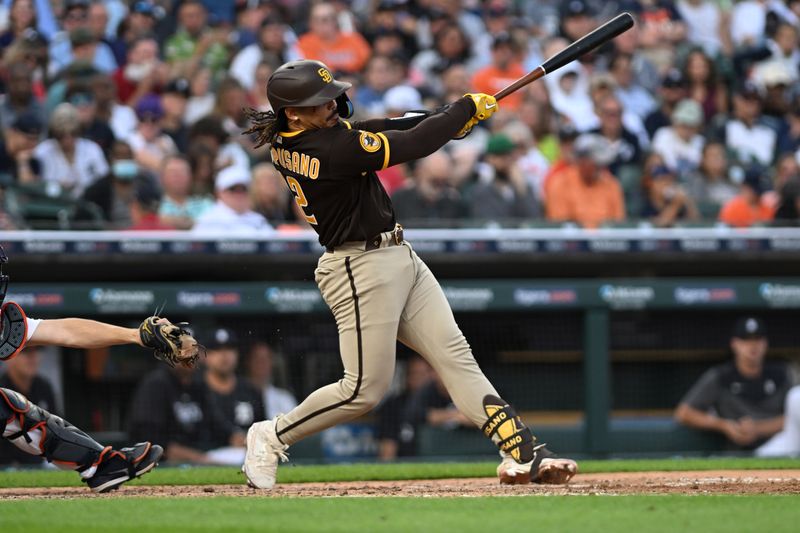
(119, 466)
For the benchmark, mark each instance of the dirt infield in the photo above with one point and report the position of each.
(704, 482)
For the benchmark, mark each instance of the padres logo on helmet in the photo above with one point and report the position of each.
(325, 75)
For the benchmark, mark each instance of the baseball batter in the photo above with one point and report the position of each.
(377, 287)
(38, 432)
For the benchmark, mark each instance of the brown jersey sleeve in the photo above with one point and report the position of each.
(359, 150)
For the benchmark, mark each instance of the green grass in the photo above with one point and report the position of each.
(362, 472)
(709, 514)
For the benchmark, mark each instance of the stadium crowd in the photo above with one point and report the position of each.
(128, 115)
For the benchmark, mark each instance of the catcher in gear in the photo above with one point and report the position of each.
(38, 432)
(379, 290)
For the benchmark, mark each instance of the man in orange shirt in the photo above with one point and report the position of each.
(504, 70)
(586, 192)
(748, 207)
(343, 52)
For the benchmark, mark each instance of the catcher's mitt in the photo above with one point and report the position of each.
(170, 342)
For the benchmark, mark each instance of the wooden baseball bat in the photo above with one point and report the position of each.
(619, 24)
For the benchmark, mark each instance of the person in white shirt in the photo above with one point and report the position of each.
(232, 213)
(746, 136)
(275, 41)
(260, 372)
(680, 145)
(67, 159)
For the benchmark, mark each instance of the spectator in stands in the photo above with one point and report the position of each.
(671, 91)
(150, 144)
(195, 44)
(662, 31)
(272, 47)
(67, 159)
(502, 192)
(340, 51)
(76, 33)
(172, 407)
(748, 207)
(707, 25)
(644, 70)
(709, 185)
(532, 162)
(270, 196)
(450, 46)
(140, 21)
(229, 108)
(257, 95)
(121, 118)
(603, 86)
(260, 371)
(238, 400)
(505, 68)
(632, 96)
(586, 192)
(211, 134)
(393, 431)
(566, 158)
(431, 405)
(232, 213)
(21, 21)
(22, 376)
(19, 97)
(201, 100)
(380, 75)
(145, 206)
(114, 193)
(788, 205)
(92, 127)
(745, 134)
(623, 144)
(32, 51)
(680, 145)
(430, 198)
(17, 161)
(667, 201)
(703, 85)
(743, 399)
(142, 74)
(392, 30)
(173, 102)
(179, 208)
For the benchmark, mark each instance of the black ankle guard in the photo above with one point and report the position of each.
(514, 438)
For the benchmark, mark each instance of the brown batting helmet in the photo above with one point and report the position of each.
(307, 83)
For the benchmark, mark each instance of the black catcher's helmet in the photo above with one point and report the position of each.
(3, 277)
(307, 83)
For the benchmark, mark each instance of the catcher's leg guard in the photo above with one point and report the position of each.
(13, 330)
(37, 432)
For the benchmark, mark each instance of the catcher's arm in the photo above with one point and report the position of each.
(82, 333)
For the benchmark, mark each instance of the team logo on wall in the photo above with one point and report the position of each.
(325, 75)
(369, 142)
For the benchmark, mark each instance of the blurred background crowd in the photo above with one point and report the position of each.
(128, 115)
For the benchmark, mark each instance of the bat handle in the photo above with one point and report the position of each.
(522, 82)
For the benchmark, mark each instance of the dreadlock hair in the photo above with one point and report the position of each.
(264, 125)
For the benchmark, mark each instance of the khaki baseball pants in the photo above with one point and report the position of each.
(378, 297)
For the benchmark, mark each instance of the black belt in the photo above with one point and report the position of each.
(373, 243)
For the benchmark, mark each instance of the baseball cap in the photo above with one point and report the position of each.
(220, 338)
(749, 90)
(500, 144)
(567, 131)
(660, 171)
(149, 107)
(402, 98)
(687, 112)
(594, 147)
(28, 123)
(178, 86)
(73, 4)
(753, 179)
(749, 327)
(143, 8)
(673, 79)
(502, 38)
(230, 177)
(602, 79)
(147, 194)
(574, 8)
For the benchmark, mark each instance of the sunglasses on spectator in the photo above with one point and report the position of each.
(237, 188)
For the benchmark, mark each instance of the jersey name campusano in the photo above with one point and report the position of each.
(331, 172)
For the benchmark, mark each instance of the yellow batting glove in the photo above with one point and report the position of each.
(466, 129)
(485, 105)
